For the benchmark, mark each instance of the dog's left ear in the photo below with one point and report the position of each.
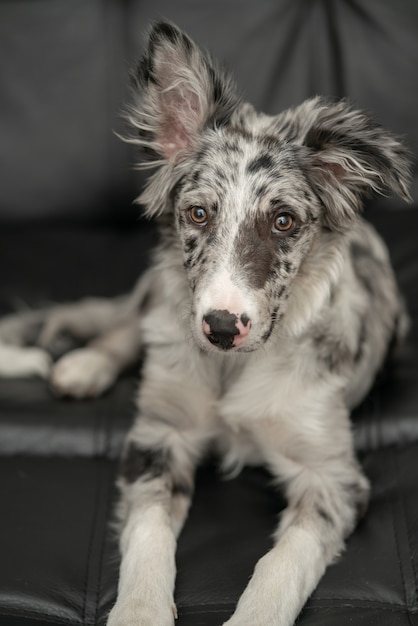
(350, 156)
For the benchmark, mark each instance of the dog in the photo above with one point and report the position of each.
(266, 314)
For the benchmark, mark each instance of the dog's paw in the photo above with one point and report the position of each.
(239, 621)
(83, 373)
(16, 361)
(125, 614)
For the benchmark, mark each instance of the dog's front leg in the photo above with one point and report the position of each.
(156, 483)
(147, 572)
(324, 504)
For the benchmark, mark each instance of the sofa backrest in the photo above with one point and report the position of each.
(64, 77)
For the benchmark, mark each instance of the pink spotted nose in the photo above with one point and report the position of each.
(226, 330)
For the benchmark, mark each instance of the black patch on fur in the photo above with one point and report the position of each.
(144, 463)
(333, 352)
(279, 294)
(274, 318)
(147, 464)
(231, 147)
(360, 344)
(288, 267)
(182, 488)
(190, 244)
(201, 257)
(223, 96)
(364, 264)
(254, 256)
(268, 332)
(263, 162)
(196, 176)
(323, 514)
(178, 187)
(261, 191)
(164, 29)
(219, 173)
(245, 319)
(359, 498)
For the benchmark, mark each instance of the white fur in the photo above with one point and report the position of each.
(16, 361)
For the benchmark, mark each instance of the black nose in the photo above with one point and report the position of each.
(220, 328)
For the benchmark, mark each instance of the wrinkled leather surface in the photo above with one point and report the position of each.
(68, 229)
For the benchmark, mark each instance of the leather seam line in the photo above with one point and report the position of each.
(408, 536)
(86, 621)
(323, 603)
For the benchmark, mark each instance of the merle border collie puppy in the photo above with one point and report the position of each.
(266, 314)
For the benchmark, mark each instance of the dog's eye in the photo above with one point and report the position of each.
(283, 223)
(198, 215)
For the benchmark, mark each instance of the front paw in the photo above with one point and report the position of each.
(233, 622)
(133, 614)
(16, 361)
(236, 620)
(83, 373)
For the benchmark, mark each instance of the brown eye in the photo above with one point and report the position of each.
(283, 223)
(198, 215)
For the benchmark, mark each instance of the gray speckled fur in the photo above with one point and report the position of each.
(323, 305)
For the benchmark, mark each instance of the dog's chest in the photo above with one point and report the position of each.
(273, 405)
(259, 389)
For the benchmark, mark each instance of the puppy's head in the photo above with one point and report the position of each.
(251, 199)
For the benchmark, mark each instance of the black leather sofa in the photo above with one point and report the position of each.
(68, 228)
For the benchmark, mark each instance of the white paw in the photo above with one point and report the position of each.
(16, 361)
(83, 373)
(132, 614)
(242, 621)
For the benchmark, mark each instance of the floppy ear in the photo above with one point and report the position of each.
(178, 91)
(349, 156)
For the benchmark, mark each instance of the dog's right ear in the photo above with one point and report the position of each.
(178, 91)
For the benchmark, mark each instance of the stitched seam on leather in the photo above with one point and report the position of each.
(395, 534)
(388, 609)
(389, 606)
(91, 543)
(408, 534)
(41, 617)
(395, 531)
(102, 549)
(354, 604)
